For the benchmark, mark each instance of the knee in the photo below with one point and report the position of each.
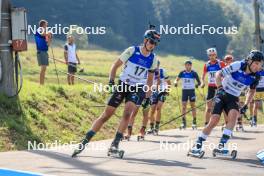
(127, 115)
(159, 108)
(43, 69)
(213, 122)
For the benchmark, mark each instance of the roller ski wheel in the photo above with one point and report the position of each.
(199, 154)
(233, 154)
(140, 138)
(113, 151)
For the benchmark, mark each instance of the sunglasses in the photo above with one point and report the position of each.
(152, 42)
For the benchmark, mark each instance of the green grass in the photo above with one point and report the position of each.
(61, 112)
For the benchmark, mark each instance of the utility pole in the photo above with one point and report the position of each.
(7, 83)
(258, 38)
(257, 25)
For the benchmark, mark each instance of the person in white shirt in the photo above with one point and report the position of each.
(71, 58)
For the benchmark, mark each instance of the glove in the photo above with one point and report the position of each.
(220, 92)
(111, 86)
(243, 110)
(146, 103)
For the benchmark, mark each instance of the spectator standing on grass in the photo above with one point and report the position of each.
(43, 40)
(71, 58)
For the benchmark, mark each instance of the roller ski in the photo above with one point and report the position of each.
(240, 128)
(222, 151)
(76, 152)
(183, 125)
(196, 151)
(141, 136)
(80, 148)
(115, 152)
(150, 131)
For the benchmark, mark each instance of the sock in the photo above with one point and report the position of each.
(184, 120)
(202, 137)
(86, 140)
(151, 125)
(157, 125)
(255, 118)
(117, 139)
(226, 136)
(194, 120)
(129, 129)
(239, 121)
(89, 135)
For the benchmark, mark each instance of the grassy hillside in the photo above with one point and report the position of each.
(61, 112)
(126, 21)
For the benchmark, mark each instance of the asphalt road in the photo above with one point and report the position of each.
(157, 155)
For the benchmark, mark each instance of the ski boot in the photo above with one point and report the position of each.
(156, 132)
(240, 128)
(114, 151)
(141, 136)
(222, 151)
(129, 133)
(150, 131)
(127, 137)
(253, 121)
(183, 125)
(194, 126)
(80, 148)
(196, 151)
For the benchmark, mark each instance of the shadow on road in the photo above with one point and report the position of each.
(77, 164)
(253, 162)
(172, 136)
(161, 162)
